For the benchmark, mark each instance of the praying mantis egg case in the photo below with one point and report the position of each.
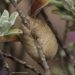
(46, 39)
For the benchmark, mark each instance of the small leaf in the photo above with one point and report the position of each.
(4, 17)
(4, 22)
(62, 53)
(5, 14)
(8, 1)
(5, 28)
(15, 31)
(13, 17)
(68, 17)
(38, 5)
(7, 22)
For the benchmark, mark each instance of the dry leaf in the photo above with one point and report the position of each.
(38, 5)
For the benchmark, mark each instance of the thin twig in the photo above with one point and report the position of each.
(3, 64)
(8, 38)
(43, 60)
(21, 62)
(66, 30)
(40, 51)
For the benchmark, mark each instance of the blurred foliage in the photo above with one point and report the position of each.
(66, 9)
(37, 6)
(8, 1)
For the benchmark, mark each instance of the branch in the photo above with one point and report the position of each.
(4, 68)
(42, 57)
(8, 38)
(21, 62)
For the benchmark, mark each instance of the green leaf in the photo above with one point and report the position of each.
(13, 17)
(8, 1)
(7, 22)
(15, 31)
(68, 17)
(4, 17)
(5, 28)
(4, 22)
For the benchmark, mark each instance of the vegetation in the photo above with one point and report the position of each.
(38, 39)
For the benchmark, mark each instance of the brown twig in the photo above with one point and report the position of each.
(40, 51)
(66, 30)
(21, 62)
(42, 57)
(3, 64)
(8, 38)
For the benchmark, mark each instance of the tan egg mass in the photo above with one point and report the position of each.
(46, 39)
